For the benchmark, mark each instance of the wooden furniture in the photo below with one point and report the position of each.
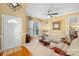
(59, 51)
(28, 38)
(45, 43)
(65, 40)
(41, 41)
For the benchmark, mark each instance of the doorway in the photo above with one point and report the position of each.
(12, 32)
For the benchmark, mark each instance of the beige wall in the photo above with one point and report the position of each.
(64, 23)
(0, 26)
(0, 31)
(0, 44)
(47, 24)
(5, 9)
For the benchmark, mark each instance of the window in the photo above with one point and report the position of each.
(34, 28)
(30, 27)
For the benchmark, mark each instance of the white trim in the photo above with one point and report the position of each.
(2, 31)
(21, 30)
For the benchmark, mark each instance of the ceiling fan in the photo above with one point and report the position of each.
(50, 13)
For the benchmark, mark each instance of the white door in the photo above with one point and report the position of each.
(12, 29)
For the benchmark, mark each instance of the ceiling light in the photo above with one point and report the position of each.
(14, 6)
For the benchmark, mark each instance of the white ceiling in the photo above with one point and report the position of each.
(38, 9)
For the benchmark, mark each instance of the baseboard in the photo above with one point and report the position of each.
(10, 51)
(23, 44)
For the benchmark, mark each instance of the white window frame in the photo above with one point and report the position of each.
(32, 29)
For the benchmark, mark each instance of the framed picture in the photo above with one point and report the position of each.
(56, 25)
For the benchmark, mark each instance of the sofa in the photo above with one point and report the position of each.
(73, 49)
(55, 37)
(55, 40)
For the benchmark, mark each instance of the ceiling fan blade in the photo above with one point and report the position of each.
(54, 13)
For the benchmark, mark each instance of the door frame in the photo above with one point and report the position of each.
(2, 18)
(1, 33)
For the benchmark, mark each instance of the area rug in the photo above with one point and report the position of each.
(37, 49)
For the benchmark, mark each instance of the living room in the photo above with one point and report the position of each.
(41, 28)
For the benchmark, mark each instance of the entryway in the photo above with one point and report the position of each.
(12, 32)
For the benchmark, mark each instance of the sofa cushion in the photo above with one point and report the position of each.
(56, 37)
(74, 47)
(52, 44)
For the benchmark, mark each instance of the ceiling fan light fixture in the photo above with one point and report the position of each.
(50, 13)
(14, 6)
(51, 16)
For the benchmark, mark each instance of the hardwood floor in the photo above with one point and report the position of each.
(0, 54)
(23, 52)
